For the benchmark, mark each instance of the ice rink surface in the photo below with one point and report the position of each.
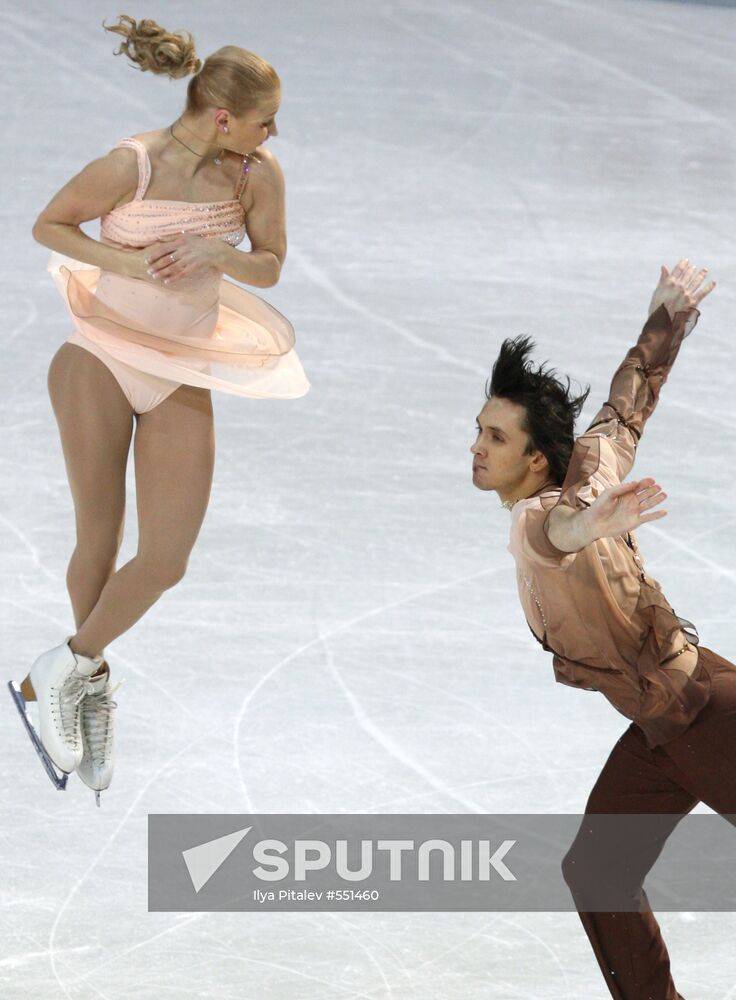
(348, 637)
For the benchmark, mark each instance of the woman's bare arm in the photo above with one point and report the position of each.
(265, 222)
(93, 192)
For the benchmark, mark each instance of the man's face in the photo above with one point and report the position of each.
(499, 462)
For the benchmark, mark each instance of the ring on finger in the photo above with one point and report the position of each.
(172, 256)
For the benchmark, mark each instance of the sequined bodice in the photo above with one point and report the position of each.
(139, 223)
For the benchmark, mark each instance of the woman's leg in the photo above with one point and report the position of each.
(95, 423)
(174, 452)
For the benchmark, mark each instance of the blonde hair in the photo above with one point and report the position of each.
(231, 77)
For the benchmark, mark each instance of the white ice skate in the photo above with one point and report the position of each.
(57, 682)
(98, 759)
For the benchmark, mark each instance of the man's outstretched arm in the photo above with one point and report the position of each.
(608, 447)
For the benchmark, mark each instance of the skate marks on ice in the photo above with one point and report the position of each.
(16, 27)
(674, 105)
(320, 276)
(97, 859)
(394, 749)
(380, 735)
(320, 640)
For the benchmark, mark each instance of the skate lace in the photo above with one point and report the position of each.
(64, 704)
(98, 709)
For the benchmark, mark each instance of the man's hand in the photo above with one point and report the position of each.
(618, 509)
(624, 507)
(680, 291)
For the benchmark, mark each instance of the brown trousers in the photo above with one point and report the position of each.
(698, 766)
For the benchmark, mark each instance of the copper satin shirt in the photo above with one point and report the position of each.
(606, 621)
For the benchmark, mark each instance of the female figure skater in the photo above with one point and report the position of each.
(156, 327)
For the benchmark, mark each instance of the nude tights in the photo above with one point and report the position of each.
(174, 452)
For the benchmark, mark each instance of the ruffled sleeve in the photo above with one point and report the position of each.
(604, 454)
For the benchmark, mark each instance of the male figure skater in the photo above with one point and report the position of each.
(588, 600)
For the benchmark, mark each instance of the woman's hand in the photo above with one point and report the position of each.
(624, 507)
(680, 291)
(182, 256)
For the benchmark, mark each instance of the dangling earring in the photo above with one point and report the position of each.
(218, 158)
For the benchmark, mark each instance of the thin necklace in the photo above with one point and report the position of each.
(217, 158)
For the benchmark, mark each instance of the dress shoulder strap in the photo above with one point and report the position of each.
(243, 178)
(144, 164)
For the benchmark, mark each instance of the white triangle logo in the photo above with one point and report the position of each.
(203, 861)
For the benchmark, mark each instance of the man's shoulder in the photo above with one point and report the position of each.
(528, 541)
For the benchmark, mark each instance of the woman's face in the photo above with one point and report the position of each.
(254, 127)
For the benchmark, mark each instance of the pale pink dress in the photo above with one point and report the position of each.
(206, 332)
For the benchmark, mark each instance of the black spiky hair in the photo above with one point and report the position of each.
(550, 409)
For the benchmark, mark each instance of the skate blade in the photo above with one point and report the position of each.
(48, 764)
